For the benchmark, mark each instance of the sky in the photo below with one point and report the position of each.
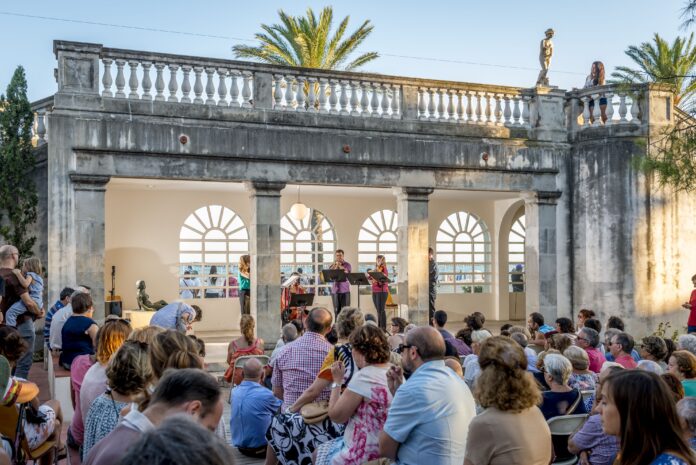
(458, 39)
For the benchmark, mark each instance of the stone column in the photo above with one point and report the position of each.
(89, 197)
(412, 207)
(265, 258)
(540, 254)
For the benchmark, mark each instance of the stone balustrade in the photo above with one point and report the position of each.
(39, 128)
(622, 106)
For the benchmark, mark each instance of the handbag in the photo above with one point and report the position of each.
(315, 412)
(229, 373)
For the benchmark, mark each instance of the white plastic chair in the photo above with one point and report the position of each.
(561, 428)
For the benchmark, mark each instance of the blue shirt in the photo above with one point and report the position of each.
(170, 316)
(253, 407)
(543, 329)
(430, 417)
(49, 317)
(668, 459)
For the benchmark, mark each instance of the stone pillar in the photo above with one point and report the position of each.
(548, 118)
(89, 197)
(540, 254)
(265, 258)
(412, 207)
(263, 91)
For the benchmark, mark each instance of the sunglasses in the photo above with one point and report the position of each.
(402, 347)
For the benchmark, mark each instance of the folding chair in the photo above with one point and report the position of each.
(561, 428)
(586, 395)
(239, 363)
(11, 427)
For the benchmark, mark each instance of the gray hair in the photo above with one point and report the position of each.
(650, 365)
(179, 441)
(519, 329)
(610, 333)
(686, 409)
(409, 327)
(520, 338)
(558, 367)
(349, 319)
(591, 335)
(6, 251)
(480, 335)
(578, 358)
(687, 342)
(289, 333)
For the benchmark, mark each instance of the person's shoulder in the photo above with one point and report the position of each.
(667, 458)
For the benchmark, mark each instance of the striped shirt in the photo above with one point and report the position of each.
(49, 317)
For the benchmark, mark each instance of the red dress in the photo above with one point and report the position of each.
(692, 314)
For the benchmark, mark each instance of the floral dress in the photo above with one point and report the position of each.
(360, 442)
(668, 459)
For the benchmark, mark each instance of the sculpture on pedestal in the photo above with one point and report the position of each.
(545, 53)
(144, 299)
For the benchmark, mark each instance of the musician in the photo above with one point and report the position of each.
(245, 284)
(340, 292)
(291, 313)
(380, 292)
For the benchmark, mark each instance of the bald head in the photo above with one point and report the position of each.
(428, 341)
(252, 369)
(455, 365)
(8, 253)
(319, 321)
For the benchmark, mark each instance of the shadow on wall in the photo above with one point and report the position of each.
(133, 264)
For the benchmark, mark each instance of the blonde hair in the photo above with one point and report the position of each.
(146, 334)
(244, 263)
(349, 319)
(33, 264)
(578, 358)
(246, 325)
(110, 337)
(129, 371)
(172, 349)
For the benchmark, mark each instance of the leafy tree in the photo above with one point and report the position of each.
(689, 14)
(18, 196)
(308, 42)
(661, 62)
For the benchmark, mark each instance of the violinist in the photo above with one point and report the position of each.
(380, 292)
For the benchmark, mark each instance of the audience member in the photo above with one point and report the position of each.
(565, 326)
(128, 375)
(429, 417)
(521, 339)
(687, 342)
(287, 334)
(252, 408)
(79, 333)
(109, 338)
(682, 364)
(557, 341)
(638, 408)
(560, 399)
(30, 277)
(474, 322)
(686, 409)
(675, 386)
(178, 316)
(146, 334)
(296, 368)
(509, 396)
(505, 328)
(178, 441)
(60, 317)
(650, 365)
(200, 343)
(588, 340)
(581, 378)
(398, 326)
(615, 322)
(595, 324)
(538, 329)
(186, 391)
(455, 364)
(620, 347)
(671, 347)
(63, 300)
(246, 344)
(584, 315)
(439, 322)
(654, 348)
(472, 370)
(172, 349)
(364, 403)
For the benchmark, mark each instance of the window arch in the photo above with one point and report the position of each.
(211, 241)
(516, 265)
(309, 245)
(463, 247)
(378, 235)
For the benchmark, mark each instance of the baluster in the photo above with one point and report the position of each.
(173, 85)
(374, 101)
(421, 103)
(479, 117)
(365, 99)
(432, 106)
(385, 100)
(159, 82)
(185, 84)
(234, 88)
(246, 89)
(147, 83)
(343, 101)
(323, 87)
(498, 109)
(301, 95)
(516, 111)
(459, 105)
(396, 95)
(277, 92)
(586, 111)
(488, 104)
(289, 93)
(120, 79)
(635, 110)
(525, 121)
(610, 108)
(596, 111)
(623, 109)
(354, 100)
(312, 95)
(222, 87)
(451, 110)
(133, 80)
(441, 105)
(210, 86)
(469, 106)
(198, 85)
(507, 111)
(106, 79)
(333, 97)
(41, 127)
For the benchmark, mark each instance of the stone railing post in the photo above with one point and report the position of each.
(263, 91)
(78, 67)
(409, 102)
(547, 115)
(656, 107)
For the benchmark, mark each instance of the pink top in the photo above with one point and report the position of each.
(376, 286)
(597, 359)
(626, 361)
(78, 369)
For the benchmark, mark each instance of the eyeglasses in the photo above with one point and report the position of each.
(402, 347)
(583, 339)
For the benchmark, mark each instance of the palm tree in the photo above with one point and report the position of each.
(307, 42)
(661, 62)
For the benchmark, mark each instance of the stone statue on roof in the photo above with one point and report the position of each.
(545, 53)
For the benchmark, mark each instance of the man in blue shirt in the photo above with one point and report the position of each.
(177, 315)
(253, 407)
(64, 300)
(537, 328)
(428, 420)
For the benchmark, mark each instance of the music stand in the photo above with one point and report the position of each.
(301, 300)
(379, 277)
(358, 279)
(337, 276)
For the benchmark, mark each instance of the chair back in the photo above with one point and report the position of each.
(561, 428)
(587, 394)
(9, 418)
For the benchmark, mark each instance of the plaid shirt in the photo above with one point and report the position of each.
(298, 364)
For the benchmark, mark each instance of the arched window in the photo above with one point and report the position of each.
(210, 243)
(307, 246)
(463, 247)
(378, 237)
(516, 267)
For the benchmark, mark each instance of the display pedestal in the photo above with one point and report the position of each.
(138, 318)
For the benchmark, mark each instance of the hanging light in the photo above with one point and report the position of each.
(299, 210)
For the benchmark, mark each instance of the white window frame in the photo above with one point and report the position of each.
(378, 236)
(516, 238)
